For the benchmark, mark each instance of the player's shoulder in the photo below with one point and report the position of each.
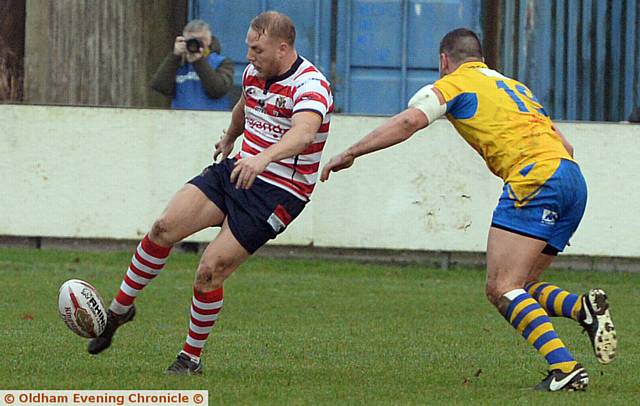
(308, 69)
(309, 74)
(470, 77)
(458, 77)
(451, 85)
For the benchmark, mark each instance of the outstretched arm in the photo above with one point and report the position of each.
(426, 106)
(399, 128)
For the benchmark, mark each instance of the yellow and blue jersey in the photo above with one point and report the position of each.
(502, 120)
(544, 195)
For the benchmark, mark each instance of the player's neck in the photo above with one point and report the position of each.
(287, 63)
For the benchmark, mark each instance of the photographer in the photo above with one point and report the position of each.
(195, 75)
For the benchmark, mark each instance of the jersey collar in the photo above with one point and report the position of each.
(472, 65)
(285, 75)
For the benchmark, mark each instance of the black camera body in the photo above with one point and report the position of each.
(194, 45)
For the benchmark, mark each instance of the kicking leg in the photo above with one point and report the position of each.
(188, 212)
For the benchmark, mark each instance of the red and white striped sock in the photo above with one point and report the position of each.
(146, 264)
(204, 313)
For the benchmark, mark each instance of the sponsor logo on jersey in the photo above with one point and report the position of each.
(261, 125)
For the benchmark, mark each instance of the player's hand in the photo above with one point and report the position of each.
(180, 46)
(223, 147)
(247, 169)
(335, 164)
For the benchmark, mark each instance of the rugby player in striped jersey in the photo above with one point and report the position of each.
(283, 118)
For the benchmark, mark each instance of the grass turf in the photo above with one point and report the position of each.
(306, 332)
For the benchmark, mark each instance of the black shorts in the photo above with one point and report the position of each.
(255, 215)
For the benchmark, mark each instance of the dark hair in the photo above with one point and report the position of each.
(275, 25)
(461, 44)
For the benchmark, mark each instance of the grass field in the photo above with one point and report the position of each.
(306, 332)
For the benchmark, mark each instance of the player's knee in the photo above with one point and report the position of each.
(161, 233)
(211, 275)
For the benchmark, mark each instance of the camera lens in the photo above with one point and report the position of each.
(193, 45)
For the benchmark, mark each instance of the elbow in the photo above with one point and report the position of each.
(307, 140)
(569, 148)
(409, 125)
(155, 86)
(161, 90)
(163, 87)
(218, 91)
(216, 94)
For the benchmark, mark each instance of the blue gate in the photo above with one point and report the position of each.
(388, 49)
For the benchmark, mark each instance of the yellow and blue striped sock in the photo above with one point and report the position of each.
(526, 315)
(556, 301)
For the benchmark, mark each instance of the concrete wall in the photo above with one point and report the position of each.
(106, 173)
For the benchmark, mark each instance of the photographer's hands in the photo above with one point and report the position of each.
(180, 49)
(180, 46)
(192, 57)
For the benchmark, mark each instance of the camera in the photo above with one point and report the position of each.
(194, 45)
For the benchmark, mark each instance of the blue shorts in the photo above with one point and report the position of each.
(553, 214)
(255, 215)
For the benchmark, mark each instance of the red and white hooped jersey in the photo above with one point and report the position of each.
(269, 108)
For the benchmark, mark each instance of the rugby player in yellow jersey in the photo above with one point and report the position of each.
(541, 205)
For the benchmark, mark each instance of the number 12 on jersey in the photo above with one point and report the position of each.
(517, 100)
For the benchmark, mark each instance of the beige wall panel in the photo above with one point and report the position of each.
(107, 173)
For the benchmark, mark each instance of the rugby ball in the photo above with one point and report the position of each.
(81, 308)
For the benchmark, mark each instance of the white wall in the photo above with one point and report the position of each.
(107, 173)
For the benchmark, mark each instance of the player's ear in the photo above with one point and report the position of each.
(443, 63)
(283, 47)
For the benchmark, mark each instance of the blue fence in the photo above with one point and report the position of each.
(580, 57)
(387, 50)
